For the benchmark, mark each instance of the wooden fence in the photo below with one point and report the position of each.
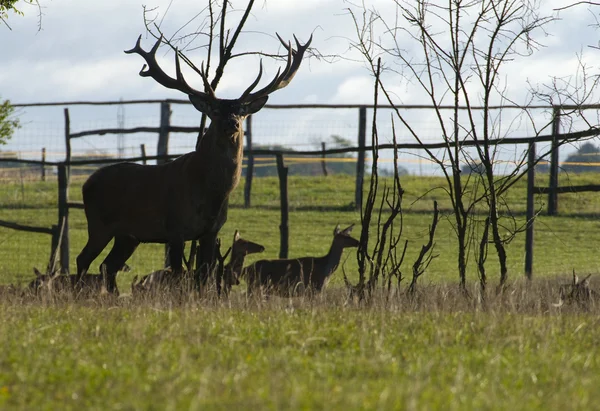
(165, 128)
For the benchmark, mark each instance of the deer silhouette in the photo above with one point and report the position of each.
(87, 285)
(240, 248)
(167, 279)
(294, 276)
(185, 199)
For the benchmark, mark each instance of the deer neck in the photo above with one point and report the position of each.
(224, 152)
(236, 263)
(332, 259)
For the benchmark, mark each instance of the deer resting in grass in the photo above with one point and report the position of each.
(293, 276)
(187, 198)
(578, 291)
(166, 278)
(89, 284)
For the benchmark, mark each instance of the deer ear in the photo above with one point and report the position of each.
(201, 104)
(254, 106)
(586, 281)
(348, 230)
(236, 236)
(336, 230)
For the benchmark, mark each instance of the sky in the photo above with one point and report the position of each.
(78, 55)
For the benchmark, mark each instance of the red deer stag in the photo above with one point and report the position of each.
(290, 277)
(165, 279)
(185, 199)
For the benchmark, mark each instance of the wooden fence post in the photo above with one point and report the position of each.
(67, 143)
(530, 211)
(282, 172)
(323, 164)
(143, 152)
(162, 148)
(360, 164)
(54, 241)
(249, 163)
(43, 164)
(63, 215)
(553, 194)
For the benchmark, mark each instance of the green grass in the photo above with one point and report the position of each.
(439, 351)
(325, 357)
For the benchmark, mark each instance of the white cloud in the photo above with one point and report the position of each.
(79, 52)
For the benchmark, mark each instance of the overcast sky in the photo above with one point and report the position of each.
(78, 55)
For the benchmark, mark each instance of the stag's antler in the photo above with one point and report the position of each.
(157, 73)
(281, 79)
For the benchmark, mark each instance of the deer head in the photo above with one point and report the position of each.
(577, 291)
(240, 248)
(40, 280)
(343, 237)
(226, 114)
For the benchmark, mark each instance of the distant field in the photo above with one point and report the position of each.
(439, 350)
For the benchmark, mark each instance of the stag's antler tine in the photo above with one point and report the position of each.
(305, 47)
(298, 45)
(152, 69)
(251, 87)
(281, 40)
(135, 48)
(178, 72)
(156, 46)
(207, 85)
(288, 65)
(282, 79)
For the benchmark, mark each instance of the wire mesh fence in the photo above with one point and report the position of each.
(42, 136)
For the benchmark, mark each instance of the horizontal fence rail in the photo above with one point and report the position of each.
(404, 146)
(323, 106)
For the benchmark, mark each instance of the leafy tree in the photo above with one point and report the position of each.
(8, 124)
(587, 153)
(10, 6)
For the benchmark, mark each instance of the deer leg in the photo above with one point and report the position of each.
(122, 249)
(206, 259)
(94, 246)
(176, 256)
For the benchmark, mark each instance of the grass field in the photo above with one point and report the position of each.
(438, 351)
(317, 204)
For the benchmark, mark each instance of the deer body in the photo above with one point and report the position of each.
(167, 279)
(176, 201)
(186, 199)
(289, 277)
(89, 284)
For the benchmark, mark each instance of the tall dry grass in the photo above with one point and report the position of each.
(538, 297)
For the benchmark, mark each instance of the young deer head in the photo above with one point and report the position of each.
(187, 198)
(578, 291)
(240, 248)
